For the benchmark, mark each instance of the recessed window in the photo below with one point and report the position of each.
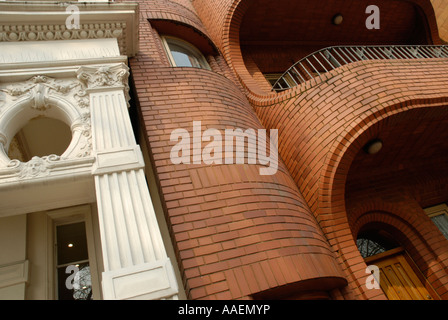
(371, 243)
(439, 216)
(281, 82)
(184, 54)
(73, 270)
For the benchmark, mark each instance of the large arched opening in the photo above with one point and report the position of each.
(265, 38)
(385, 190)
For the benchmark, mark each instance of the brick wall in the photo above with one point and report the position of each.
(339, 112)
(228, 222)
(238, 234)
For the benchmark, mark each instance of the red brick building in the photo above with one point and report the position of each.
(135, 156)
(294, 235)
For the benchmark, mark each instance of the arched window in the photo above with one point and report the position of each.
(183, 54)
(372, 243)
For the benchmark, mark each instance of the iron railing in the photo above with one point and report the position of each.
(327, 59)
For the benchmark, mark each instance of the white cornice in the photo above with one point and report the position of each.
(43, 21)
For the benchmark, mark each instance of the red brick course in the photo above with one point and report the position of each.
(238, 234)
(226, 218)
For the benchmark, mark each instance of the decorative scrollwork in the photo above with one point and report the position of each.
(83, 125)
(104, 76)
(60, 32)
(38, 88)
(36, 167)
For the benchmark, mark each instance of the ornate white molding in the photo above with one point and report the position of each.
(19, 52)
(84, 126)
(36, 167)
(37, 89)
(42, 21)
(105, 77)
(40, 94)
(60, 32)
(103, 155)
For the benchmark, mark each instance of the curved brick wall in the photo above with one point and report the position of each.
(237, 233)
(339, 113)
(223, 20)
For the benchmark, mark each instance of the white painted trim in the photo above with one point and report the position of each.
(93, 100)
(133, 282)
(14, 273)
(47, 22)
(182, 43)
(62, 50)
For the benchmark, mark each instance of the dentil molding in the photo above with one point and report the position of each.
(46, 21)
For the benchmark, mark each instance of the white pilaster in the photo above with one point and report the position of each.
(13, 266)
(135, 261)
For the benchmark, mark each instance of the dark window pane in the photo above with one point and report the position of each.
(75, 285)
(441, 221)
(371, 243)
(71, 243)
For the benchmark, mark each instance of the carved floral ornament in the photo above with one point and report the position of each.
(36, 167)
(39, 88)
(60, 32)
(39, 92)
(105, 76)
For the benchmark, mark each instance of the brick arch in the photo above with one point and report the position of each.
(186, 32)
(343, 223)
(424, 252)
(236, 233)
(173, 11)
(440, 7)
(232, 49)
(230, 41)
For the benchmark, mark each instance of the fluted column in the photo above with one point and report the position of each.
(135, 261)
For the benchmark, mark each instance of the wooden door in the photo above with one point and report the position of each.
(398, 280)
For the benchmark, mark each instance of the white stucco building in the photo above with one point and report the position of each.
(73, 180)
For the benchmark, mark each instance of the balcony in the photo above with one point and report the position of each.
(330, 58)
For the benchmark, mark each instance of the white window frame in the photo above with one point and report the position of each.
(182, 43)
(72, 215)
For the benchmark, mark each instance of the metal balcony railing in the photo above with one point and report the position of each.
(327, 59)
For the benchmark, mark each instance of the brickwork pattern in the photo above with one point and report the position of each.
(238, 233)
(337, 111)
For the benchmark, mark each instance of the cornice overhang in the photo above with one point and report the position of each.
(46, 21)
